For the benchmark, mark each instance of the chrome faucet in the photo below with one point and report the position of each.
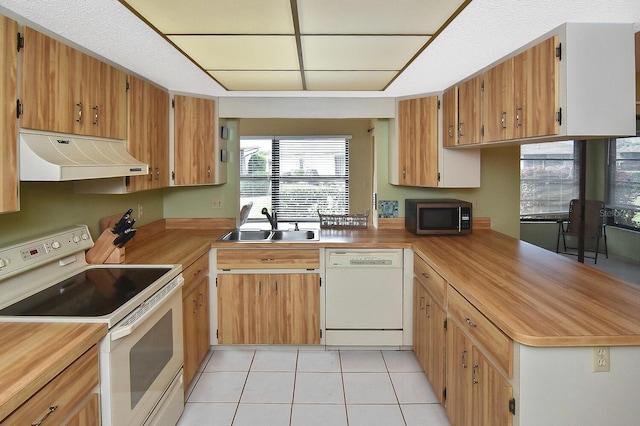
(272, 218)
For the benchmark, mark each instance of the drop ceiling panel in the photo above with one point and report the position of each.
(362, 44)
(358, 52)
(348, 80)
(240, 52)
(259, 80)
(217, 17)
(374, 16)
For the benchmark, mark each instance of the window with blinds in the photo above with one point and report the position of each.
(295, 176)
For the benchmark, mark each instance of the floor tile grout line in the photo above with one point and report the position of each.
(246, 378)
(344, 391)
(393, 387)
(293, 394)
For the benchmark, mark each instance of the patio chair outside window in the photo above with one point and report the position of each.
(594, 229)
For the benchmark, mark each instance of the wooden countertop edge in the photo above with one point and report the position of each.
(31, 367)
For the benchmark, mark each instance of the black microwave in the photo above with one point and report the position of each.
(437, 216)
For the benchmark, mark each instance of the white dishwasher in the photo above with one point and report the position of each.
(364, 295)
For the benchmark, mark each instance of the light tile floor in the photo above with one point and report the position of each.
(311, 388)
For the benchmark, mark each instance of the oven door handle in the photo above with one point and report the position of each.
(148, 308)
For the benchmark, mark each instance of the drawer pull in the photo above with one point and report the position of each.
(267, 259)
(464, 355)
(426, 311)
(475, 371)
(470, 323)
(42, 420)
(201, 299)
(197, 272)
(421, 303)
(195, 307)
(424, 274)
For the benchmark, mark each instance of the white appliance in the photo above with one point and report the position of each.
(47, 279)
(60, 157)
(364, 295)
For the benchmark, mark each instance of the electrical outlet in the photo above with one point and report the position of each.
(140, 211)
(216, 203)
(601, 359)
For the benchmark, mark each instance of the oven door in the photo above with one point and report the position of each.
(139, 361)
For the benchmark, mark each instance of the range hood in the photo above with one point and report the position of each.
(60, 157)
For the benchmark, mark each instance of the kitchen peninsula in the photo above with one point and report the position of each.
(551, 311)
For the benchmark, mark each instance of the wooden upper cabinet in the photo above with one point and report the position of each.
(535, 77)
(470, 111)
(450, 117)
(67, 91)
(148, 133)
(194, 140)
(418, 141)
(8, 121)
(498, 104)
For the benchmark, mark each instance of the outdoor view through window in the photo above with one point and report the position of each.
(295, 176)
(623, 187)
(549, 176)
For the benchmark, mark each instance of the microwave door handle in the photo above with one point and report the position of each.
(459, 219)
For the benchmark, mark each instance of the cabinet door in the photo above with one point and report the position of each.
(450, 117)
(148, 133)
(418, 141)
(297, 308)
(8, 121)
(435, 346)
(202, 321)
(189, 327)
(491, 394)
(536, 90)
(470, 111)
(239, 308)
(498, 111)
(88, 414)
(194, 140)
(458, 376)
(48, 88)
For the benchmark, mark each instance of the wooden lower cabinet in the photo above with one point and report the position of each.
(72, 393)
(195, 312)
(476, 393)
(269, 308)
(429, 337)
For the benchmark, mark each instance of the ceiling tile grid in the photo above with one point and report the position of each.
(329, 45)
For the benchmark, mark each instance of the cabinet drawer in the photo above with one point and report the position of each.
(195, 272)
(268, 259)
(492, 341)
(430, 279)
(65, 392)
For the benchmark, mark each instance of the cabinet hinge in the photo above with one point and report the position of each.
(321, 333)
(438, 176)
(173, 103)
(173, 175)
(438, 103)
(482, 86)
(20, 42)
(216, 282)
(445, 324)
(320, 282)
(18, 108)
(127, 85)
(559, 117)
(512, 406)
(216, 333)
(559, 51)
(482, 131)
(444, 394)
(127, 181)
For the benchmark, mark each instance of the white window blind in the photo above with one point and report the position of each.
(296, 177)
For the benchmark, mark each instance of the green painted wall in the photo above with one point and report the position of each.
(47, 206)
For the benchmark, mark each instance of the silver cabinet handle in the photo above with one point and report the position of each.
(468, 320)
(518, 111)
(464, 354)
(503, 119)
(79, 119)
(95, 115)
(201, 299)
(460, 129)
(475, 372)
(42, 420)
(450, 131)
(195, 307)
(421, 303)
(209, 171)
(426, 310)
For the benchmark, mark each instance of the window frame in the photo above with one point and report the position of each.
(615, 210)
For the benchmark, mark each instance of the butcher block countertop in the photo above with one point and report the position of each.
(31, 354)
(534, 296)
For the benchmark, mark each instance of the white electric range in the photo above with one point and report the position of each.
(47, 279)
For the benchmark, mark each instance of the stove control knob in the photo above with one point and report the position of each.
(85, 236)
(55, 245)
(76, 239)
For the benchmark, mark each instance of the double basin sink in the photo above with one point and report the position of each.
(238, 235)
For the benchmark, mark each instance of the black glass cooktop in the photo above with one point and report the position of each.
(92, 293)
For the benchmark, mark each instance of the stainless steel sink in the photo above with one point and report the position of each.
(294, 235)
(237, 235)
